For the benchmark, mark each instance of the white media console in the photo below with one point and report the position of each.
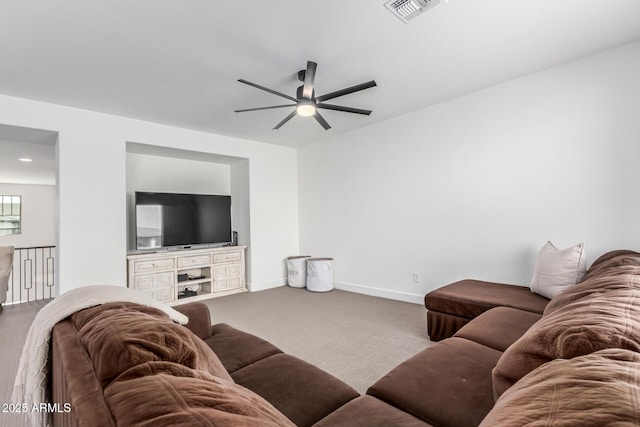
(209, 272)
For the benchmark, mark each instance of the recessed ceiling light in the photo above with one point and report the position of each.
(25, 159)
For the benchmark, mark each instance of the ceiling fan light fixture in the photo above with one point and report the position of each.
(306, 109)
(306, 103)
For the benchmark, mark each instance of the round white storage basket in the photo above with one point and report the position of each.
(320, 274)
(297, 271)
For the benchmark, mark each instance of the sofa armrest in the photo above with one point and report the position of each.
(199, 319)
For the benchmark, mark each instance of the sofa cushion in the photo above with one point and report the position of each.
(499, 327)
(609, 264)
(608, 318)
(170, 394)
(603, 276)
(599, 389)
(367, 411)
(556, 270)
(445, 384)
(118, 336)
(237, 349)
(469, 298)
(301, 391)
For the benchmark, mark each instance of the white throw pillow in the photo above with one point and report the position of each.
(557, 270)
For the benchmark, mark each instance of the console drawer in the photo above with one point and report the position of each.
(153, 265)
(227, 257)
(188, 261)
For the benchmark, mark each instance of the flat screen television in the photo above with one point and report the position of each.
(165, 220)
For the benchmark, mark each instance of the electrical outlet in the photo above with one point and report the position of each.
(416, 277)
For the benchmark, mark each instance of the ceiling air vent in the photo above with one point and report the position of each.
(406, 10)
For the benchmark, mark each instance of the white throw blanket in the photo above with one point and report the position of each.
(31, 379)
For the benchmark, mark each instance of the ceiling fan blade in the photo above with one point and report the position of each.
(267, 90)
(321, 120)
(347, 91)
(309, 78)
(265, 108)
(285, 120)
(345, 109)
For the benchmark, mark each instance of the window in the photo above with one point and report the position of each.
(10, 215)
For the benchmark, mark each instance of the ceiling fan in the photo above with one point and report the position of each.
(306, 101)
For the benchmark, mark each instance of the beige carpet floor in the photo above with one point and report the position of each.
(357, 338)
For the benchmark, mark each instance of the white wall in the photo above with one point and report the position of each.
(91, 151)
(475, 186)
(241, 211)
(38, 215)
(173, 175)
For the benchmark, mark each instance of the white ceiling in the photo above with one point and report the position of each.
(177, 62)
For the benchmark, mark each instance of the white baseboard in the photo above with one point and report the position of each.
(383, 293)
(261, 286)
(350, 287)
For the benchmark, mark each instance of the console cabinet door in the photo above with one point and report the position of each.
(227, 276)
(159, 286)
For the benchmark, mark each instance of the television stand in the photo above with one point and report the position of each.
(207, 273)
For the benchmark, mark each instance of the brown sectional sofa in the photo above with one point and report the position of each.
(573, 362)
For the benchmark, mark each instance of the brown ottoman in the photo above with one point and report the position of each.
(453, 306)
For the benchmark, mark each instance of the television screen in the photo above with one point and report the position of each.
(170, 219)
